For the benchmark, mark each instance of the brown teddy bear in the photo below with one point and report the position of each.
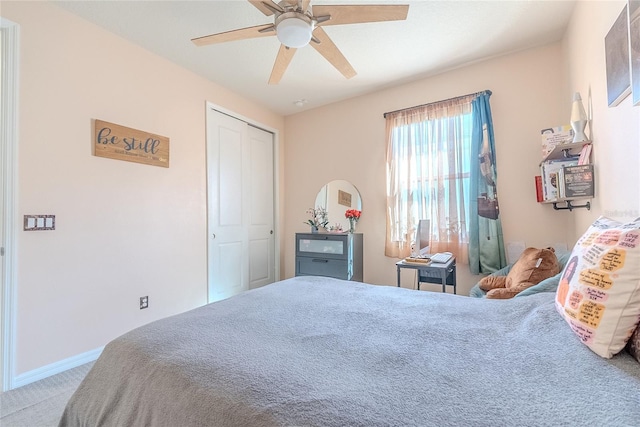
(533, 266)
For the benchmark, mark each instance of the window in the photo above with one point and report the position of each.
(428, 176)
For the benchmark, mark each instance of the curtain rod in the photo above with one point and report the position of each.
(437, 102)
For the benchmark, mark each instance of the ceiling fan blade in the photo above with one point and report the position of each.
(282, 62)
(241, 34)
(357, 14)
(305, 5)
(260, 5)
(330, 51)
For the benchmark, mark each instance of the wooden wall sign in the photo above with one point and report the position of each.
(123, 143)
(344, 198)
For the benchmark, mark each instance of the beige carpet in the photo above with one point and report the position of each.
(40, 404)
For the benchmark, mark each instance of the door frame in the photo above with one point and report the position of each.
(8, 181)
(276, 182)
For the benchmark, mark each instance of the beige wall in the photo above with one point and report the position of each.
(616, 130)
(346, 141)
(123, 230)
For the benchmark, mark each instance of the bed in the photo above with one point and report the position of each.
(314, 351)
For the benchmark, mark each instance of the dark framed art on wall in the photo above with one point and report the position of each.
(616, 44)
(634, 48)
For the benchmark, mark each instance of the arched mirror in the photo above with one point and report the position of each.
(337, 197)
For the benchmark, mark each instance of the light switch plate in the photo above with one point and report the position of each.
(39, 222)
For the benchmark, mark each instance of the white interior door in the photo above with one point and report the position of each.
(261, 209)
(241, 241)
(9, 48)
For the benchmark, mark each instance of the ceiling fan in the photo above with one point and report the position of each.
(297, 23)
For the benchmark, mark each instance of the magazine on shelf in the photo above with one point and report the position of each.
(554, 136)
(550, 179)
(539, 194)
(585, 155)
(577, 181)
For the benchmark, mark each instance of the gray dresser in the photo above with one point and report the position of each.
(331, 255)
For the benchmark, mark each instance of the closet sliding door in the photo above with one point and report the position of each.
(240, 198)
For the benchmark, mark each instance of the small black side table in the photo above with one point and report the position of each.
(444, 273)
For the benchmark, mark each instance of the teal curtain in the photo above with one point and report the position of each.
(486, 245)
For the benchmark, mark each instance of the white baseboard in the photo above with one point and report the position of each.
(56, 368)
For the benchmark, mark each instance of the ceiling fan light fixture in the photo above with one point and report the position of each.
(294, 29)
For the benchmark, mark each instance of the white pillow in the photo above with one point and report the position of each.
(599, 292)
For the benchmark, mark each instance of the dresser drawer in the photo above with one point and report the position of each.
(322, 245)
(307, 266)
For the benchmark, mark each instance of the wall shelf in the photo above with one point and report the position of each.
(571, 177)
(568, 150)
(568, 205)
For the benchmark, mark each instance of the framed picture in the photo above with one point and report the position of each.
(634, 48)
(344, 198)
(616, 45)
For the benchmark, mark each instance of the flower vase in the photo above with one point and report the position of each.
(314, 229)
(352, 225)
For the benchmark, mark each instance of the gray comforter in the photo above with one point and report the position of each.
(314, 351)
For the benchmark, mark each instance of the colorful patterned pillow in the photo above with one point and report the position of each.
(599, 291)
(634, 344)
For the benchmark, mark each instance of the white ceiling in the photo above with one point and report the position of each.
(437, 36)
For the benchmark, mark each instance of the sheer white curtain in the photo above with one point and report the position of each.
(428, 176)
